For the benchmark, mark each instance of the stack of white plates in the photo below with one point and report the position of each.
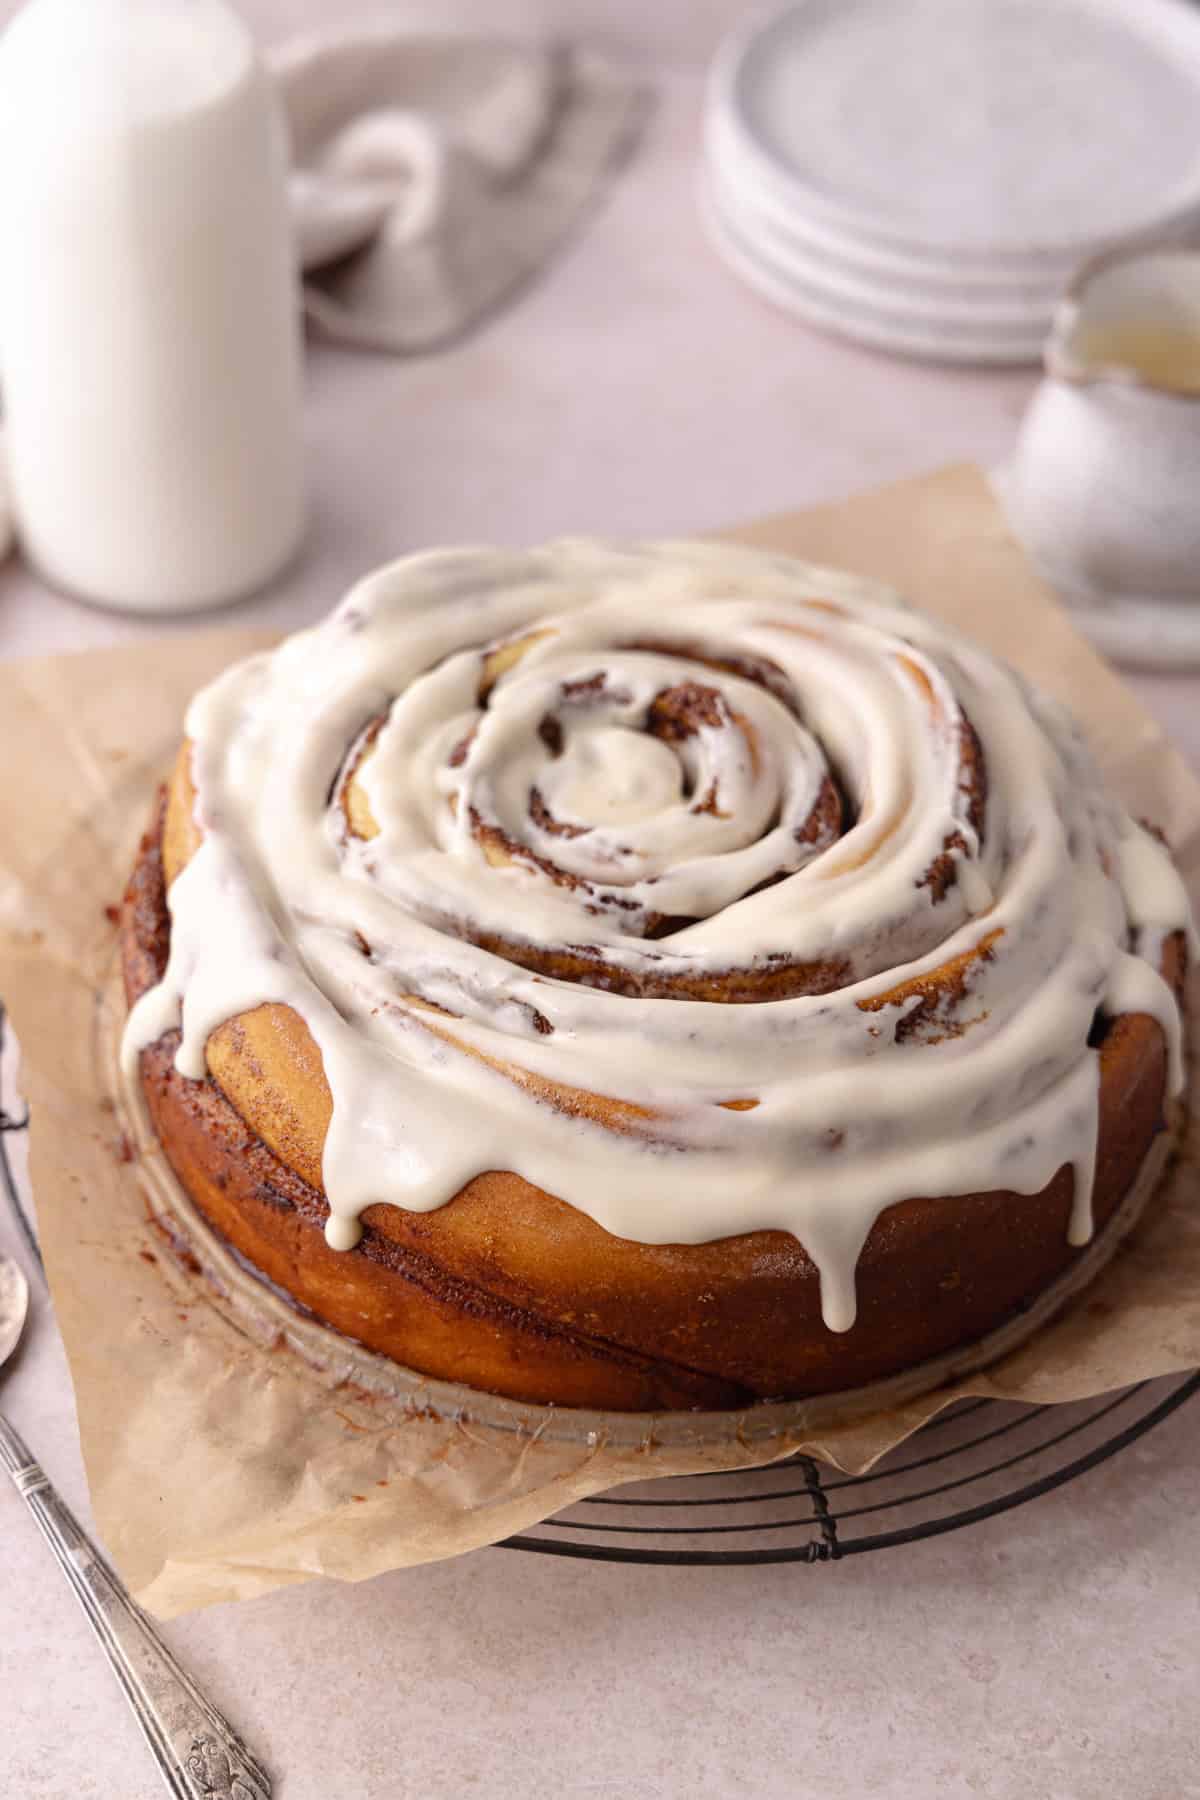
(926, 175)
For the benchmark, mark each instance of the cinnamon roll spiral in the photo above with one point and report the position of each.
(708, 896)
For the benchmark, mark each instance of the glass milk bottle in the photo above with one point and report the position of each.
(149, 314)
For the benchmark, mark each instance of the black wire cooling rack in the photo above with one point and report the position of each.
(976, 1460)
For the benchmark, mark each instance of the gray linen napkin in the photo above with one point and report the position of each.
(434, 176)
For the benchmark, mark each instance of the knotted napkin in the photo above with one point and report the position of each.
(434, 176)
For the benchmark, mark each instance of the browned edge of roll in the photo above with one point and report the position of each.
(513, 1291)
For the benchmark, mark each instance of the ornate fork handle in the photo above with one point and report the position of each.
(199, 1754)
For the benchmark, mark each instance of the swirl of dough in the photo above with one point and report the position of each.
(708, 890)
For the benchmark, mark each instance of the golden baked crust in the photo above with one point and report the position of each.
(510, 1289)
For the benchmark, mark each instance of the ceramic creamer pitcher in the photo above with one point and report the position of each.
(1105, 485)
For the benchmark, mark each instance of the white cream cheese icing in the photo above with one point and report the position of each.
(666, 854)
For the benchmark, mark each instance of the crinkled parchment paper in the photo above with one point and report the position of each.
(233, 1447)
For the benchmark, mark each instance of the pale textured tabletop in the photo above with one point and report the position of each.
(1050, 1652)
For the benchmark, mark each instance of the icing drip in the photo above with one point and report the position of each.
(819, 899)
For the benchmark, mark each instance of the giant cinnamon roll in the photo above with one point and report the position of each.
(649, 978)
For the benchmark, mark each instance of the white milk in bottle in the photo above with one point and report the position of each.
(149, 324)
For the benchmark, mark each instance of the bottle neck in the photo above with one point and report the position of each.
(133, 59)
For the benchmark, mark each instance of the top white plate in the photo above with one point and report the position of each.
(998, 130)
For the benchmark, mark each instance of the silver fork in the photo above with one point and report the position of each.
(199, 1754)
